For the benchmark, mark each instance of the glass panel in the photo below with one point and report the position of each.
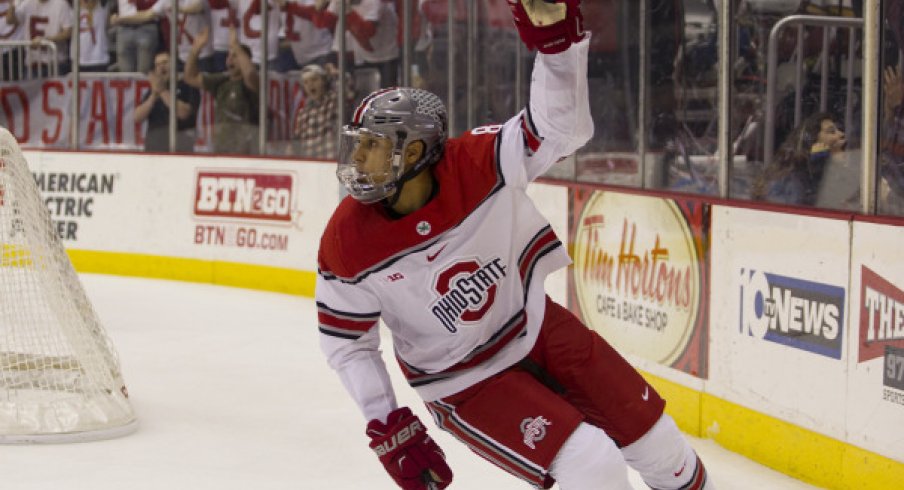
(372, 61)
(612, 155)
(682, 96)
(891, 128)
(803, 147)
(497, 64)
(447, 37)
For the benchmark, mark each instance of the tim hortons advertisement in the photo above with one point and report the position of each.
(876, 379)
(639, 275)
(38, 112)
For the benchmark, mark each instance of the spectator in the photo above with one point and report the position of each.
(45, 20)
(156, 106)
(9, 31)
(136, 43)
(421, 37)
(436, 14)
(94, 52)
(235, 93)
(310, 45)
(222, 18)
(372, 31)
(497, 62)
(249, 27)
(194, 16)
(315, 121)
(891, 162)
(795, 173)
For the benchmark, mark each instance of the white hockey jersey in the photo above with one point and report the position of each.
(94, 47)
(251, 27)
(45, 19)
(459, 282)
(189, 25)
(308, 42)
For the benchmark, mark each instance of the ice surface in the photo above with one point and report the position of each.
(231, 392)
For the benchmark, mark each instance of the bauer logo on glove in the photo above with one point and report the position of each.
(399, 438)
(548, 26)
(409, 455)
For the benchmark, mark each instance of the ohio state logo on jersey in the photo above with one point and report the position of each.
(466, 291)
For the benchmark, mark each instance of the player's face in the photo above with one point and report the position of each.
(366, 164)
(371, 157)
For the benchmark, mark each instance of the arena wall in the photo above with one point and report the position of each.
(779, 335)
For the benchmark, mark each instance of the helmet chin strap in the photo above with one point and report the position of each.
(409, 174)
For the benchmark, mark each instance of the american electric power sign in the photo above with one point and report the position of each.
(637, 274)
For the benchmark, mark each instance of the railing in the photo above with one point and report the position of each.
(801, 21)
(23, 60)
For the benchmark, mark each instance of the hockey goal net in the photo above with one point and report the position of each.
(59, 373)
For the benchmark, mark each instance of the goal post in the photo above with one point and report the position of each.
(60, 379)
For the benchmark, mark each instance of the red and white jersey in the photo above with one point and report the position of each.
(306, 40)
(92, 32)
(9, 32)
(459, 282)
(222, 17)
(128, 8)
(372, 30)
(190, 25)
(44, 19)
(249, 18)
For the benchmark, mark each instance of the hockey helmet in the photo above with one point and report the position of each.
(371, 163)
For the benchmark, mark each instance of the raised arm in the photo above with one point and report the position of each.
(192, 75)
(243, 60)
(191, 7)
(557, 120)
(139, 17)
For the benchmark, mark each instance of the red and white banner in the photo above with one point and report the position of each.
(38, 112)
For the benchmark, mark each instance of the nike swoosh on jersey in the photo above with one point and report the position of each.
(431, 258)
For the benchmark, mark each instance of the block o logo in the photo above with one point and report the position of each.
(447, 282)
(466, 291)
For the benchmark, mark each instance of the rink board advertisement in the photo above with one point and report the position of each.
(263, 212)
(640, 276)
(876, 365)
(779, 315)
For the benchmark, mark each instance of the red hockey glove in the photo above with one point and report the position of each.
(410, 456)
(550, 26)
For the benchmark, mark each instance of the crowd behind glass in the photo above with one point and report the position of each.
(795, 71)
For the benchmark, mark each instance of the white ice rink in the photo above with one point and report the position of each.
(232, 393)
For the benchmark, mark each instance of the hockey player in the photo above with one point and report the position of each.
(440, 240)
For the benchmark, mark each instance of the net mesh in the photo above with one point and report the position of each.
(59, 372)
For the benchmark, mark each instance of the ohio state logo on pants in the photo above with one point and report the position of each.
(466, 291)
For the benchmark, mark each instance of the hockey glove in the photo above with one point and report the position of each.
(410, 456)
(548, 26)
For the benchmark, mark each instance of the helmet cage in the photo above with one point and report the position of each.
(369, 185)
(403, 116)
